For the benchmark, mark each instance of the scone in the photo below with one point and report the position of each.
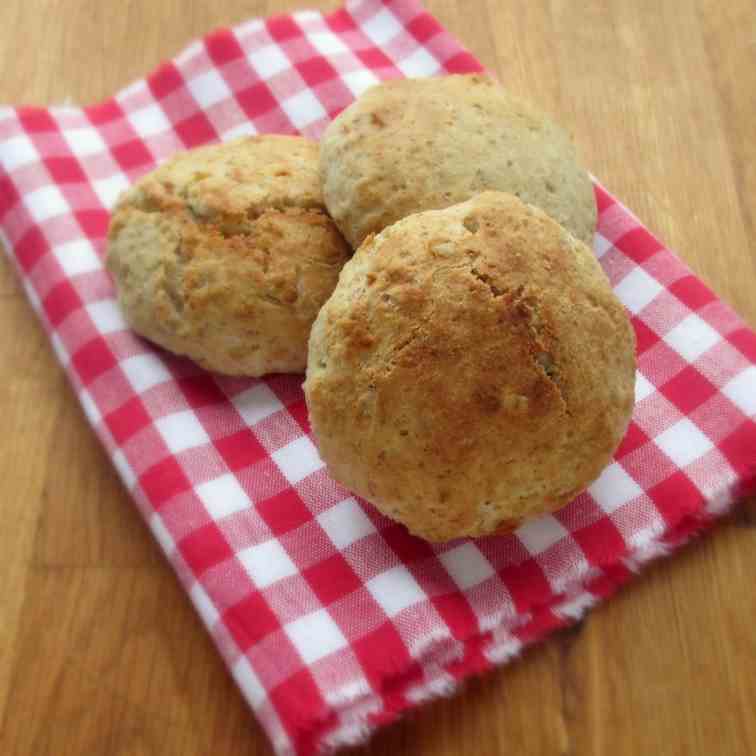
(226, 253)
(472, 369)
(409, 145)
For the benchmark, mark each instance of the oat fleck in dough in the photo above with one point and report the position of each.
(226, 253)
(424, 144)
(471, 369)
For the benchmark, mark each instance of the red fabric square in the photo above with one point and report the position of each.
(201, 391)
(36, 120)
(8, 195)
(65, 170)
(132, 155)
(423, 28)
(645, 337)
(164, 81)
(196, 131)
(526, 584)
(250, 620)
(222, 47)
(456, 612)
(127, 420)
(638, 244)
(298, 410)
(382, 653)
(740, 449)
(332, 579)
(745, 340)
(240, 450)
(341, 21)
(204, 548)
(675, 496)
(407, 547)
(688, 390)
(633, 439)
(284, 512)
(298, 702)
(601, 542)
(256, 100)
(105, 112)
(692, 292)
(61, 302)
(163, 481)
(30, 248)
(373, 57)
(93, 359)
(282, 28)
(94, 223)
(462, 63)
(604, 200)
(316, 71)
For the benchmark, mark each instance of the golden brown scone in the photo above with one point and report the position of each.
(226, 253)
(472, 368)
(409, 145)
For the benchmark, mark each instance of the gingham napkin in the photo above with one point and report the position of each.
(332, 619)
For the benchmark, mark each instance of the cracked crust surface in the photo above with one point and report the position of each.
(472, 368)
(226, 253)
(408, 145)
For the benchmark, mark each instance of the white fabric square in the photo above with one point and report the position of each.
(303, 109)
(539, 535)
(643, 387)
(298, 459)
(90, 408)
(181, 431)
(109, 190)
(85, 141)
(382, 27)
(248, 682)
(315, 635)
(256, 403)
(77, 257)
(149, 121)
(45, 203)
(223, 496)
(741, 390)
(601, 245)
(145, 371)
(692, 337)
(359, 81)
(209, 89)
(327, 43)
(637, 289)
(466, 565)
(345, 523)
(60, 349)
(270, 61)
(613, 488)
(420, 63)
(683, 443)
(245, 128)
(164, 538)
(17, 151)
(395, 590)
(267, 563)
(124, 469)
(203, 605)
(106, 315)
(192, 50)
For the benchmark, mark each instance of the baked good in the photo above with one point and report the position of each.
(409, 145)
(471, 369)
(226, 253)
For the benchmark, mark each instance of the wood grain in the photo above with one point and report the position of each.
(100, 652)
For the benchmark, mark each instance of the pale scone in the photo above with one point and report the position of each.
(226, 253)
(472, 368)
(409, 145)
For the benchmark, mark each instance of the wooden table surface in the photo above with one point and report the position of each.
(100, 651)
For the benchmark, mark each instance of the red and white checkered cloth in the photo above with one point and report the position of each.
(331, 618)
